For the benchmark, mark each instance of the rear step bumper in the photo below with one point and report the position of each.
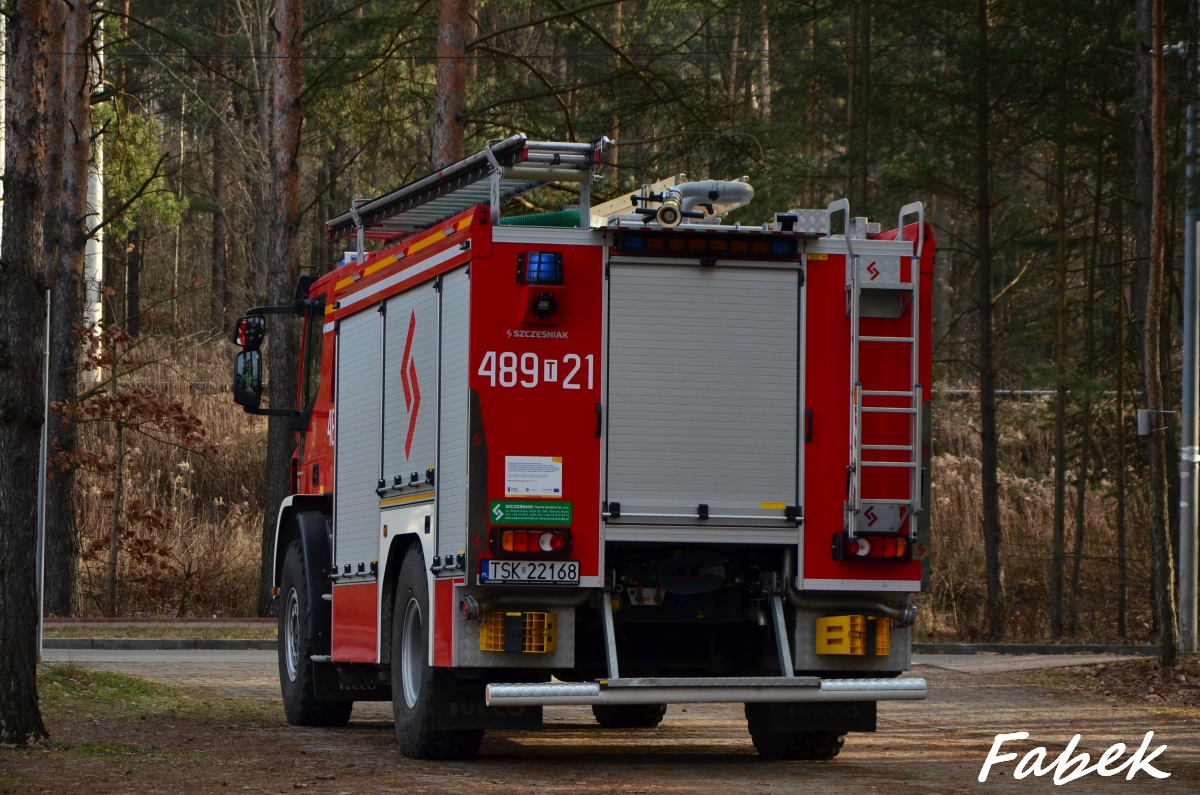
(704, 690)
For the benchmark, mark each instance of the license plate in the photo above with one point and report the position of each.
(534, 572)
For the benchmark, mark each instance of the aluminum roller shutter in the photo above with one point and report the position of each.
(702, 392)
(410, 387)
(453, 413)
(359, 436)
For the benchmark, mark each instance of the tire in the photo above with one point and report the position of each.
(295, 648)
(416, 686)
(812, 746)
(629, 716)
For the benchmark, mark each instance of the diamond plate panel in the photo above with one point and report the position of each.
(811, 222)
(877, 272)
(861, 228)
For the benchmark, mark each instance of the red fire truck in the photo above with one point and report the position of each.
(622, 456)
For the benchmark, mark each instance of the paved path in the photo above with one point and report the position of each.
(963, 663)
(254, 674)
(921, 748)
(1004, 663)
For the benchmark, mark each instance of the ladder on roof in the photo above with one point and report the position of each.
(502, 170)
(875, 288)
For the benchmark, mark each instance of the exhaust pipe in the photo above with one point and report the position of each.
(905, 614)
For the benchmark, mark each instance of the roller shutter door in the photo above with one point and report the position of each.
(702, 392)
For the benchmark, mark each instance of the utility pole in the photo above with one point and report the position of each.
(40, 551)
(1189, 446)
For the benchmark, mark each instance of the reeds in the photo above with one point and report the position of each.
(955, 605)
(189, 539)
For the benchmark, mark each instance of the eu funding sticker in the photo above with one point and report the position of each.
(553, 514)
(533, 476)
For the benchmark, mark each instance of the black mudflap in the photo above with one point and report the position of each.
(460, 705)
(833, 716)
(349, 683)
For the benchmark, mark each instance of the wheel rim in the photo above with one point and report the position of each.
(291, 641)
(412, 653)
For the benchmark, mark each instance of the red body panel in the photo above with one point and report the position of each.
(882, 366)
(355, 622)
(443, 625)
(524, 413)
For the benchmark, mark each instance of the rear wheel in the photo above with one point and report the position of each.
(772, 744)
(416, 686)
(629, 716)
(295, 650)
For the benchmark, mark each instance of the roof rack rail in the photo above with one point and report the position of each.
(500, 171)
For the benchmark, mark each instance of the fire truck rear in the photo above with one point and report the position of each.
(625, 456)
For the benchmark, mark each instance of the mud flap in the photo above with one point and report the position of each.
(836, 716)
(332, 684)
(460, 705)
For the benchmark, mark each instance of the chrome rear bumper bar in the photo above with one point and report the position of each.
(704, 690)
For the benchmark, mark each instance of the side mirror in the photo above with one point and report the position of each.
(247, 376)
(250, 332)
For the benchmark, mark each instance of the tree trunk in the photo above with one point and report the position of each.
(220, 193)
(62, 543)
(451, 103)
(55, 119)
(1163, 568)
(1085, 424)
(858, 102)
(263, 73)
(22, 313)
(764, 64)
(1057, 544)
(1143, 165)
(114, 523)
(615, 124)
(734, 55)
(1122, 562)
(133, 284)
(282, 274)
(58, 547)
(987, 368)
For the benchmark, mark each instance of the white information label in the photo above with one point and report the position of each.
(532, 476)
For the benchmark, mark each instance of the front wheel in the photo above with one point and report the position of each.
(785, 744)
(295, 650)
(417, 686)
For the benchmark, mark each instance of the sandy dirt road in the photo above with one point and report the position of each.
(935, 746)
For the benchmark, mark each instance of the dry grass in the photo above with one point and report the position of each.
(205, 559)
(956, 604)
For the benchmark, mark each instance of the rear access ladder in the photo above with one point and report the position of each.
(875, 288)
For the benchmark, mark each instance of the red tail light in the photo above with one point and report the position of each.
(549, 542)
(888, 547)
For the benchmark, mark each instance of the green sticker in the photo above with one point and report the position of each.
(555, 514)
